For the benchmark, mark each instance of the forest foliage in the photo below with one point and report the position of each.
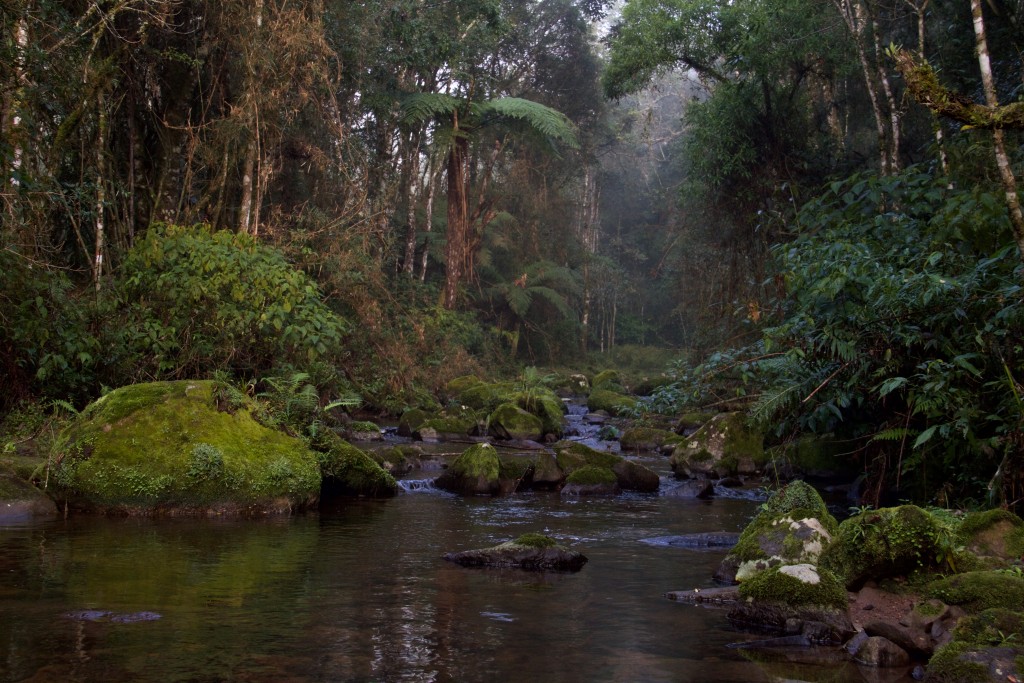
(384, 195)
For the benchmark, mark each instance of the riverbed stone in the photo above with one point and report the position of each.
(21, 501)
(793, 527)
(647, 439)
(728, 444)
(186, 447)
(883, 543)
(612, 402)
(350, 471)
(509, 421)
(591, 480)
(546, 472)
(691, 488)
(630, 475)
(881, 652)
(985, 647)
(533, 552)
(993, 534)
(633, 476)
(475, 472)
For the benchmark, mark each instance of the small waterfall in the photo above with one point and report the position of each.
(417, 485)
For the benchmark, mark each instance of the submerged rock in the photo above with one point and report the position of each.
(591, 480)
(21, 501)
(534, 552)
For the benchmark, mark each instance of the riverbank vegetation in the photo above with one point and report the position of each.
(756, 206)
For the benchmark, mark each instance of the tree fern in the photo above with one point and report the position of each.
(549, 122)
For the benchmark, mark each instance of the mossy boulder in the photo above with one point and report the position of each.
(647, 439)
(411, 420)
(612, 402)
(509, 421)
(449, 426)
(475, 472)
(534, 552)
(20, 500)
(546, 472)
(725, 446)
(692, 421)
(351, 471)
(546, 406)
(400, 459)
(609, 380)
(793, 527)
(362, 430)
(631, 476)
(781, 596)
(995, 534)
(591, 480)
(181, 448)
(820, 457)
(986, 647)
(980, 590)
(885, 543)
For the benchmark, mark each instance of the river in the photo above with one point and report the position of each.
(361, 594)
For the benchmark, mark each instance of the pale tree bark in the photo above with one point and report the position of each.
(433, 177)
(920, 7)
(458, 220)
(101, 198)
(856, 17)
(587, 233)
(992, 99)
(412, 198)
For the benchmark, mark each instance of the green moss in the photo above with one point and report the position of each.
(976, 522)
(612, 402)
(571, 455)
(535, 540)
(888, 542)
(514, 467)
(349, 470)
(478, 461)
(772, 585)
(608, 380)
(981, 590)
(544, 404)
(636, 438)
(411, 421)
(798, 498)
(462, 425)
(591, 475)
(361, 426)
(991, 628)
(460, 384)
(144, 447)
(509, 421)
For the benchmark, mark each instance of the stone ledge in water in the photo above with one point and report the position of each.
(534, 552)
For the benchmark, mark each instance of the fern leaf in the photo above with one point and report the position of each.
(545, 120)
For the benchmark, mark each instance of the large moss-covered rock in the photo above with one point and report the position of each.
(348, 470)
(647, 439)
(980, 590)
(475, 472)
(546, 406)
(20, 500)
(780, 596)
(725, 446)
(181, 447)
(591, 480)
(609, 380)
(630, 475)
(988, 647)
(889, 542)
(612, 402)
(509, 421)
(411, 421)
(996, 534)
(793, 527)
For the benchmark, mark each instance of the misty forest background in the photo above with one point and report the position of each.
(799, 208)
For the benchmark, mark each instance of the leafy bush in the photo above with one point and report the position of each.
(903, 328)
(198, 300)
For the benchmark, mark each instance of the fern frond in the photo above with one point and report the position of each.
(547, 121)
(425, 106)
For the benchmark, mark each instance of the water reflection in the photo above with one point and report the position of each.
(362, 594)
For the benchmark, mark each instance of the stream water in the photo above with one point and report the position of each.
(362, 594)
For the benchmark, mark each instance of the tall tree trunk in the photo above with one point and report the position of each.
(101, 198)
(458, 221)
(855, 15)
(245, 209)
(433, 177)
(412, 196)
(1002, 158)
